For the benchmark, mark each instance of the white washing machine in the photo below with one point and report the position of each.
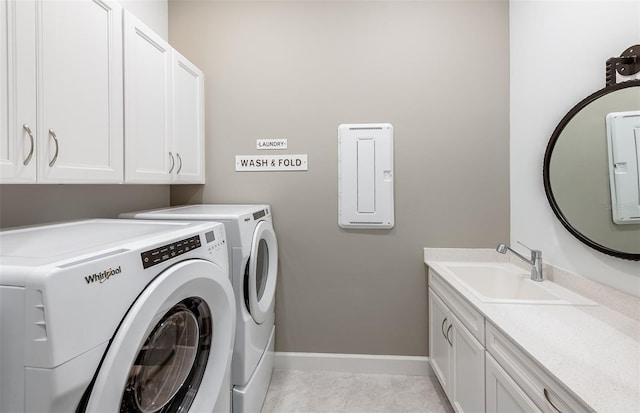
(115, 315)
(253, 258)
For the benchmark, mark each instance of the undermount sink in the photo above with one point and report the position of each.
(502, 283)
(508, 283)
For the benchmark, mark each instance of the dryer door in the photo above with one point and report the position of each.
(177, 338)
(260, 284)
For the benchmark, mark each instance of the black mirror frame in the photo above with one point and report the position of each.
(547, 161)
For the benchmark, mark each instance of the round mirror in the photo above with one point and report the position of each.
(591, 170)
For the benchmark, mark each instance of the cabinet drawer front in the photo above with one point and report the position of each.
(540, 386)
(468, 316)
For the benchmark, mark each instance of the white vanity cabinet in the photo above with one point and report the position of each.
(480, 367)
(67, 58)
(164, 110)
(456, 352)
(17, 91)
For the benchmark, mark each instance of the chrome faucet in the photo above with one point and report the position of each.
(535, 261)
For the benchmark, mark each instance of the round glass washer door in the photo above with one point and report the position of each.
(262, 272)
(173, 349)
(171, 361)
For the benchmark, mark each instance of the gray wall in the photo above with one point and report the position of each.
(37, 204)
(437, 70)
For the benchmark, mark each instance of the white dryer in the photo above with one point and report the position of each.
(253, 258)
(115, 315)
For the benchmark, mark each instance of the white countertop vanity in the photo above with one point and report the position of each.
(500, 342)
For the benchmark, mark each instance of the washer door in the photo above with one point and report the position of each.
(177, 338)
(262, 272)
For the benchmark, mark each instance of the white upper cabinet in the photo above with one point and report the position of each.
(90, 94)
(188, 120)
(164, 110)
(80, 92)
(17, 91)
(149, 157)
(61, 81)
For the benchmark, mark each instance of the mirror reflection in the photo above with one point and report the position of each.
(591, 170)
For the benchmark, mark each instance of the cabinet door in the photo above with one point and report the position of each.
(149, 157)
(439, 345)
(17, 91)
(188, 120)
(80, 91)
(503, 395)
(467, 363)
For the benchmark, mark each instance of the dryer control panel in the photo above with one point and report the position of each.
(166, 252)
(260, 214)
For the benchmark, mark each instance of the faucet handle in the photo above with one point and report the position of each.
(533, 252)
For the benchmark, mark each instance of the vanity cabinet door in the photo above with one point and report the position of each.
(456, 355)
(502, 393)
(439, 346)
(467, 364)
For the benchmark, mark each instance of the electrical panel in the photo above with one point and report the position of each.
(365, 176)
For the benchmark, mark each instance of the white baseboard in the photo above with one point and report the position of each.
(353, 363)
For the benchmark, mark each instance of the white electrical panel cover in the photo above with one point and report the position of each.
(365, 176)
(623, 141)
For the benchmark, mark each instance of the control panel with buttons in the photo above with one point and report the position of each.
(169, 251)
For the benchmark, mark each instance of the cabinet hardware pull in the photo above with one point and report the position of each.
(173, 162)
(28, 130)
(55, 139)
(546, 396)
(447, 336)
(180, 164)
(442, 328)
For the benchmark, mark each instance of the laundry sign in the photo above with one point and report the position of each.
(252, 163)
(262, 144)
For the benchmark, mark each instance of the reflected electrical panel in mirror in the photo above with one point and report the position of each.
(623, 147)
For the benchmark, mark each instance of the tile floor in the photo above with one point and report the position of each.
(293, 391)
